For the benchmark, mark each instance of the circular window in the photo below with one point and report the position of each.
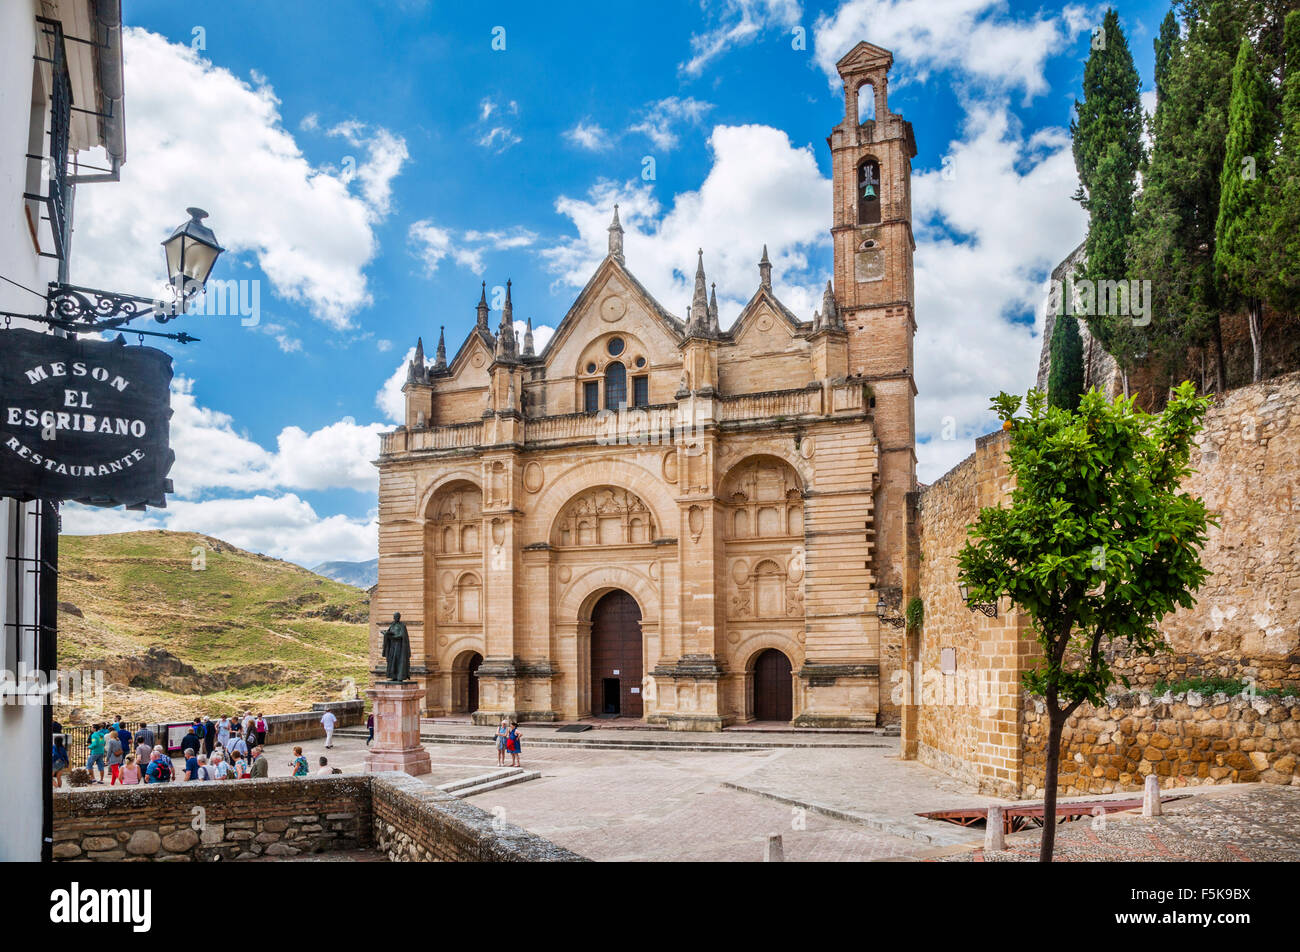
(615, 346)
(640, 361)
(591, 368)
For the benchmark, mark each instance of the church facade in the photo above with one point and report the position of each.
(660, 519)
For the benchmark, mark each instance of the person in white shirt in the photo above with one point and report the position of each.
(328, 722)
(204, 772)
(325, 768)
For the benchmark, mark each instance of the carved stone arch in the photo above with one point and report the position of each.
(583, 591)
(790, 456)
(751, 647)
(442, 482)
(546, 510)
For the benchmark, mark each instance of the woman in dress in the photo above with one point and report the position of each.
(514, 743)
(502, 731)
(223, 732)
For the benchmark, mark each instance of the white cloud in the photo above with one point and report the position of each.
(761, 189)
(389, 397)
(978, 39)
(211, 454)
(497, 134)
(206, 137)
(285, 527)
(283, 338)
(431, 244)
(590, 136)
(660, 120)
(739, 22)
(386, 154)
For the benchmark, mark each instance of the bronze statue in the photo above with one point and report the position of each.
(397, 649)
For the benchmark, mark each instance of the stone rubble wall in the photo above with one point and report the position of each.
(283, 817)
(1184, 739)
(1245, 625)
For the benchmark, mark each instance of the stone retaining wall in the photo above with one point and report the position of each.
(1184, 739)
(247, 819)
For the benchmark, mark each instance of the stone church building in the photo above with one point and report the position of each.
(656, 518)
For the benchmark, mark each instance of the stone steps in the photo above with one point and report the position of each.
(494, 780)
(536, 740)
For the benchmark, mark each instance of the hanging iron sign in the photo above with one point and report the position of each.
(84, 420)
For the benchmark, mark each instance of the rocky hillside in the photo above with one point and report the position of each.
(184, 624)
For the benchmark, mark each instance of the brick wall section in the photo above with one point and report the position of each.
(968, 721)
(1184, 739)
(247, 819)
(413, 821)
(239, 819)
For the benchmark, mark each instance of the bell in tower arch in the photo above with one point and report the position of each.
(869, 192)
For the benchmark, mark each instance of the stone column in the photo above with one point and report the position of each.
(397, 729)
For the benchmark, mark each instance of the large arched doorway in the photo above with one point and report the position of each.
(616, 664)
(773, 687)
(464, 682)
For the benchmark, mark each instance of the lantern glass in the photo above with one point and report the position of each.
(191, 253)
(965, 591)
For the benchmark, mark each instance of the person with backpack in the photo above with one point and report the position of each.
(114, 752)
(160, 768)
(59, 759)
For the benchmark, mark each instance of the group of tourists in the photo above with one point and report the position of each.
(228, 748)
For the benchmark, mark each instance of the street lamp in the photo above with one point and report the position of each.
(988, 608)
(190, 252)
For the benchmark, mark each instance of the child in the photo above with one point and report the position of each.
(514, 743)
(502, 731)
(130, 771)
(299, 763)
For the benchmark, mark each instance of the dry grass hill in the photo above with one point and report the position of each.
(178, 636)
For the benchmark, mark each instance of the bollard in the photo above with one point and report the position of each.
(994, 836)
(774, 852)
(1151, 796)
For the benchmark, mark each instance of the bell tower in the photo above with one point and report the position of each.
(871, 155)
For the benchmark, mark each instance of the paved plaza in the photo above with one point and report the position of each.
(654, 796)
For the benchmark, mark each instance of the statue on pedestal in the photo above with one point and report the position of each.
(397, 649)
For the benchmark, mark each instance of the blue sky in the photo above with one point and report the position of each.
(369, 164)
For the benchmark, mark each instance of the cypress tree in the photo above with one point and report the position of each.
(1239, 259)
(1065, 376)
(1108, 154)
(1284, 196)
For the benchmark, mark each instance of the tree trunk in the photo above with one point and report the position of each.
(1256, 339)
(1123, 376)
(1051, 769)
(1220, 373)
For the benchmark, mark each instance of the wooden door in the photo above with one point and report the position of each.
(616, 664)
(773, 687)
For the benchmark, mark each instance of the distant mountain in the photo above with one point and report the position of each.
(360, 574)
(184, 624)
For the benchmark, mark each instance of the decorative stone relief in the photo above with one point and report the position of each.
(534, 477)
(605, 515)
(613, 308)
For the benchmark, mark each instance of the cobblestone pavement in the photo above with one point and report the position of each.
(1240, 823)
(828, 804)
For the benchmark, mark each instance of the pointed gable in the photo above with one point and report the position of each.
(865, 56)
(611, 300)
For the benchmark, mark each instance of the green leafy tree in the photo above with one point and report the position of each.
(1174, 234)
(1097, 545)
(1065, 376)
(1240, 261)
(1108, 154)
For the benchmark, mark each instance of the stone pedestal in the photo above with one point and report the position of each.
(397, 729)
